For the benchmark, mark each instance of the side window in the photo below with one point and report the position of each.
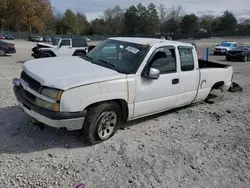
(65, 42)
(164, 60)
(186, 58)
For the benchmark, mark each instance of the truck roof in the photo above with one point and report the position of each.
(150, 41)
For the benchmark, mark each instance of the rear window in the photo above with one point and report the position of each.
(186, 58)
(79, 42)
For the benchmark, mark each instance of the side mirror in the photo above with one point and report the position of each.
(154, 73)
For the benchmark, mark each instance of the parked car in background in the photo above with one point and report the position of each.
(6, 48)
(9, 37)
(240, 53)
(116, 81)
(225, 46)
(87, 39)
(75, 46)
(1, 36)
(47, 39)
(35, 38)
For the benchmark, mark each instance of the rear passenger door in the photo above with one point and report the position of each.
(189, 75)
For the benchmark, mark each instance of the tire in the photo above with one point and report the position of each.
(45, 55)
(228, 58)
(215, 53)
(2, 52)
(92, 132)
(80, 54)
(245, 58)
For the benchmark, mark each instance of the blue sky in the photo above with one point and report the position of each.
(95, 8)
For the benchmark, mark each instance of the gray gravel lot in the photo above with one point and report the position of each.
(203, 145)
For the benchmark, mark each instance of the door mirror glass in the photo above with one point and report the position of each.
(154, 73)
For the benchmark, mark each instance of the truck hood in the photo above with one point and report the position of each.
(68, 72)
(45, 45)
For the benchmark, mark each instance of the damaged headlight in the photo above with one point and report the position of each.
(44, 104)
(52, 93)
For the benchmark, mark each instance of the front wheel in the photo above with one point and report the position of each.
(245, 58)
(45, 54)
(101, 122)
(2, 52)
(228, 58)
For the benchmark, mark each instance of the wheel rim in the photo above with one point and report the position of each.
(1, 52)
(106, 124)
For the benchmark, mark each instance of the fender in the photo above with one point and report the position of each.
(49, 51)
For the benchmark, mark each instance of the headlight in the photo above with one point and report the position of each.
(52, 93)
(47, 105)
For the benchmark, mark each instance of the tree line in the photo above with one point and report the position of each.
(39, 16)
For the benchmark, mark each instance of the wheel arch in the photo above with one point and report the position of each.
(50, 52)
(80, 50)
(121, 102)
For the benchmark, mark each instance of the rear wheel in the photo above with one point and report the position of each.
(2, 52)
(80, 54)
(101, 122)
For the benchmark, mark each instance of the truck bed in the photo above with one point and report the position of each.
(203, 64)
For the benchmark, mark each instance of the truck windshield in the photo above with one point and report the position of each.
(124, 57)
(226, 44)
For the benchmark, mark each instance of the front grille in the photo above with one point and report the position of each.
(235, 53)
(29, 96)
(33, 84)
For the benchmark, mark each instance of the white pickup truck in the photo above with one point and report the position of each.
(121, 79)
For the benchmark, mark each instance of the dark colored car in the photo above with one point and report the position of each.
(35, 38)
(240, 53)
(2, 37)
(6, 48)
(47, 39)
(9, 37)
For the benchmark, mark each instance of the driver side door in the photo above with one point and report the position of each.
(65, 48)
(157, 95)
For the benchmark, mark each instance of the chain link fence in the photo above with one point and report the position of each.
(25, 35)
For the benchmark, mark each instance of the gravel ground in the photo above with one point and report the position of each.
(203, 145)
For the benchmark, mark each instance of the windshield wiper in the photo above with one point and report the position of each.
(112, 66)
(88, 58)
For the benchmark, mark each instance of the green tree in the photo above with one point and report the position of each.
(189, 23)
(81, 24)
(152, 19)
(131, 21)
(173, 19)
(206, 22)
(69, 22)
(228, 21)
(113, 20)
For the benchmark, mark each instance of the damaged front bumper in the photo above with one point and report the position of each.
(68, 120)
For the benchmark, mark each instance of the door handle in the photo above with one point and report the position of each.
(175, 81)
(70, 47)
